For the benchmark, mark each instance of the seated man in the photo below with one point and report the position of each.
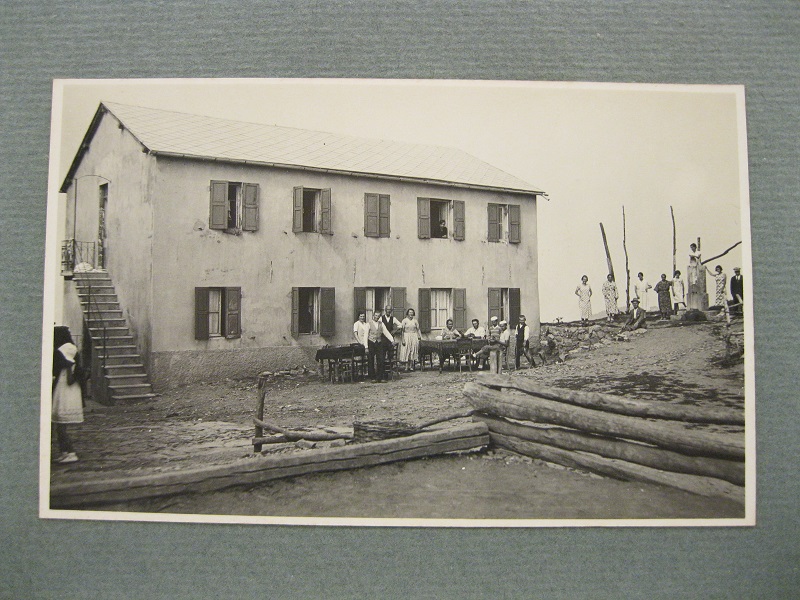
(476, 331)
(495, 341)
(637, 318)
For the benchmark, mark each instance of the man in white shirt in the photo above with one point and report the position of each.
(522, 334)
(476, 331)
(379, 341)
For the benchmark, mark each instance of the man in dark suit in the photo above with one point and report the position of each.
(637, 318)
(737, 290)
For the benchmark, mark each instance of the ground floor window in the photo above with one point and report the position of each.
(437, 305)
(217, 312)
(504, 303)
(313, 311)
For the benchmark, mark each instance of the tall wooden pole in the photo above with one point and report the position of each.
(674, 244)
(627, 269)
(608, 254)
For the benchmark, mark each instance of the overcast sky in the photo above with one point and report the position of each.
(592, 148)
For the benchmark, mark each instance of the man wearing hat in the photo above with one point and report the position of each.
(494, 341)
(737, 290)
(636, 319)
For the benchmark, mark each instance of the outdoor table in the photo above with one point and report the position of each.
(448, 347)
(339, 359)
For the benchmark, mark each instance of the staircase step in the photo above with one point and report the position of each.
(137, 379)
(110, 330)
(116, 360)
(133, 397)
(130, 386)
(126, 366)
(110, 323)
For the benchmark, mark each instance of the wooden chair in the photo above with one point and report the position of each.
(464, 352)
(390, 364)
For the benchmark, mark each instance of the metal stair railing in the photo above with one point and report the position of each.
(98, 359)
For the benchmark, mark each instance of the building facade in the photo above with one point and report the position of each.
(227, 263)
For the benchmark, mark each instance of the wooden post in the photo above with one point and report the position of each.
(627, 269)
(674, 244)
(608, 254)
(494, 361)
(262, 392)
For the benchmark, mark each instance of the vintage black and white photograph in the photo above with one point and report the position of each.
(398, 302)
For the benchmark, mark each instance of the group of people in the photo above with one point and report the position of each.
(378, 338)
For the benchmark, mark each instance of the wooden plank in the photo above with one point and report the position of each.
(618, 404)
(620, 469)
(671, 435)
(649, 456)
(259, 468)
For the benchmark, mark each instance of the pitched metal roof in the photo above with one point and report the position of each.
(170, 133)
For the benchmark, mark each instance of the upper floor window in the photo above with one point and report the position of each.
(504, 223)
(311, 210)
(234, 206)
(217, 312)
(376, 215)
(440, 218)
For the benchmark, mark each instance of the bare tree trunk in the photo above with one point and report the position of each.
(608, 254)
(627, 269)
(674, 243)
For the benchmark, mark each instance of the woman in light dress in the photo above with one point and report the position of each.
(722, 281)
(409, 346)
(611, 295)
(67, 394)
(584, 294)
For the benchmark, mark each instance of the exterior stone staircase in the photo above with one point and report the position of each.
(118, 373)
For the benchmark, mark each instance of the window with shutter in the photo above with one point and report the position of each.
(312, 211)
(494, 222)
(250, 207)
(325, 223)
(359, 302)
(460, 308)
(514, 304)
(295, 312)
(232, 318)
(217, 313)
(371, 215)
(496, 304)
(201, 329)
(459, 229)
(399, 303)
(327, 312)
(218, 218)
(424, 309)
(514, 230)
(384, 228)
(423, 218)
(297, 210)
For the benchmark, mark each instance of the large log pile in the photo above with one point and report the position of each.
(627, 439)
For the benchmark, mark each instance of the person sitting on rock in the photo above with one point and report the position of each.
(636, 318)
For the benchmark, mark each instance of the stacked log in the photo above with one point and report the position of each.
(668, 444)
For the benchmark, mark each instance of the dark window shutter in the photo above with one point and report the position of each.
(325, 225)
(297, 210)
(398, 303)
(494, 223)
(201, 313)
(250, 207)
(424, 309)
(218, 218)
(514, 230)
(423, 218)
(459, 229)
(359, 301)
(233, 312)
(495, 304)
(514, 303)
(383, 216)
(295, 312)
(371, 225)
(327, 312)
(460, 308)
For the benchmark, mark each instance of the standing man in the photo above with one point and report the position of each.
(737, 290)
(391, 326)
(678, 292)
(522, 334)
(640, 288)
(377, 339)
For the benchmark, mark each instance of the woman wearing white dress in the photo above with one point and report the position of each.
(640, 287)
(584, 294)
(67, 394)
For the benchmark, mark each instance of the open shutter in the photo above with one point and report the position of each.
(359, 301)
(424, 309)
(233, 311)
(460, 308)
(250, 207)
(325, 225)
(297, 210)
(458, 220)
(218, 218)
(201, 313)
(371, 228)
(494, 223)
(383, 216)
(327, 311)
(423, 218)
(295, 312)
(495, 304)
(398, 302)
(514, 303)
(514, 231)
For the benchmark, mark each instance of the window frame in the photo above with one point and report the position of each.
(377, 215)
(504, 222)
(456, 218)
(323, 210)
(244, 216)
(229, 315)
(324, 311)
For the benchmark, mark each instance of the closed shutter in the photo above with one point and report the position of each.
(371, 219)
(295, 312)
(424, 312)
(398, 302)
(514, 229)
(460, 308)
(297, 210)
(250, 207)
(325, 225)
(458, 220)
(233, 311)
(423, 218)
(383, 216)
(495, 304)
(514, 303)
(494, 223)
(218, 218)
(201, 313)
(359, 301)
(327, 312)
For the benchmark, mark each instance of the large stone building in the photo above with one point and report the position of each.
(227, 248)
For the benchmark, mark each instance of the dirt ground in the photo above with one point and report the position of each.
(206, 424)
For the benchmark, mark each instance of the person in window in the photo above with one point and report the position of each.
(67, 394)
(409, 346)
(637, 319)
(440, 229)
